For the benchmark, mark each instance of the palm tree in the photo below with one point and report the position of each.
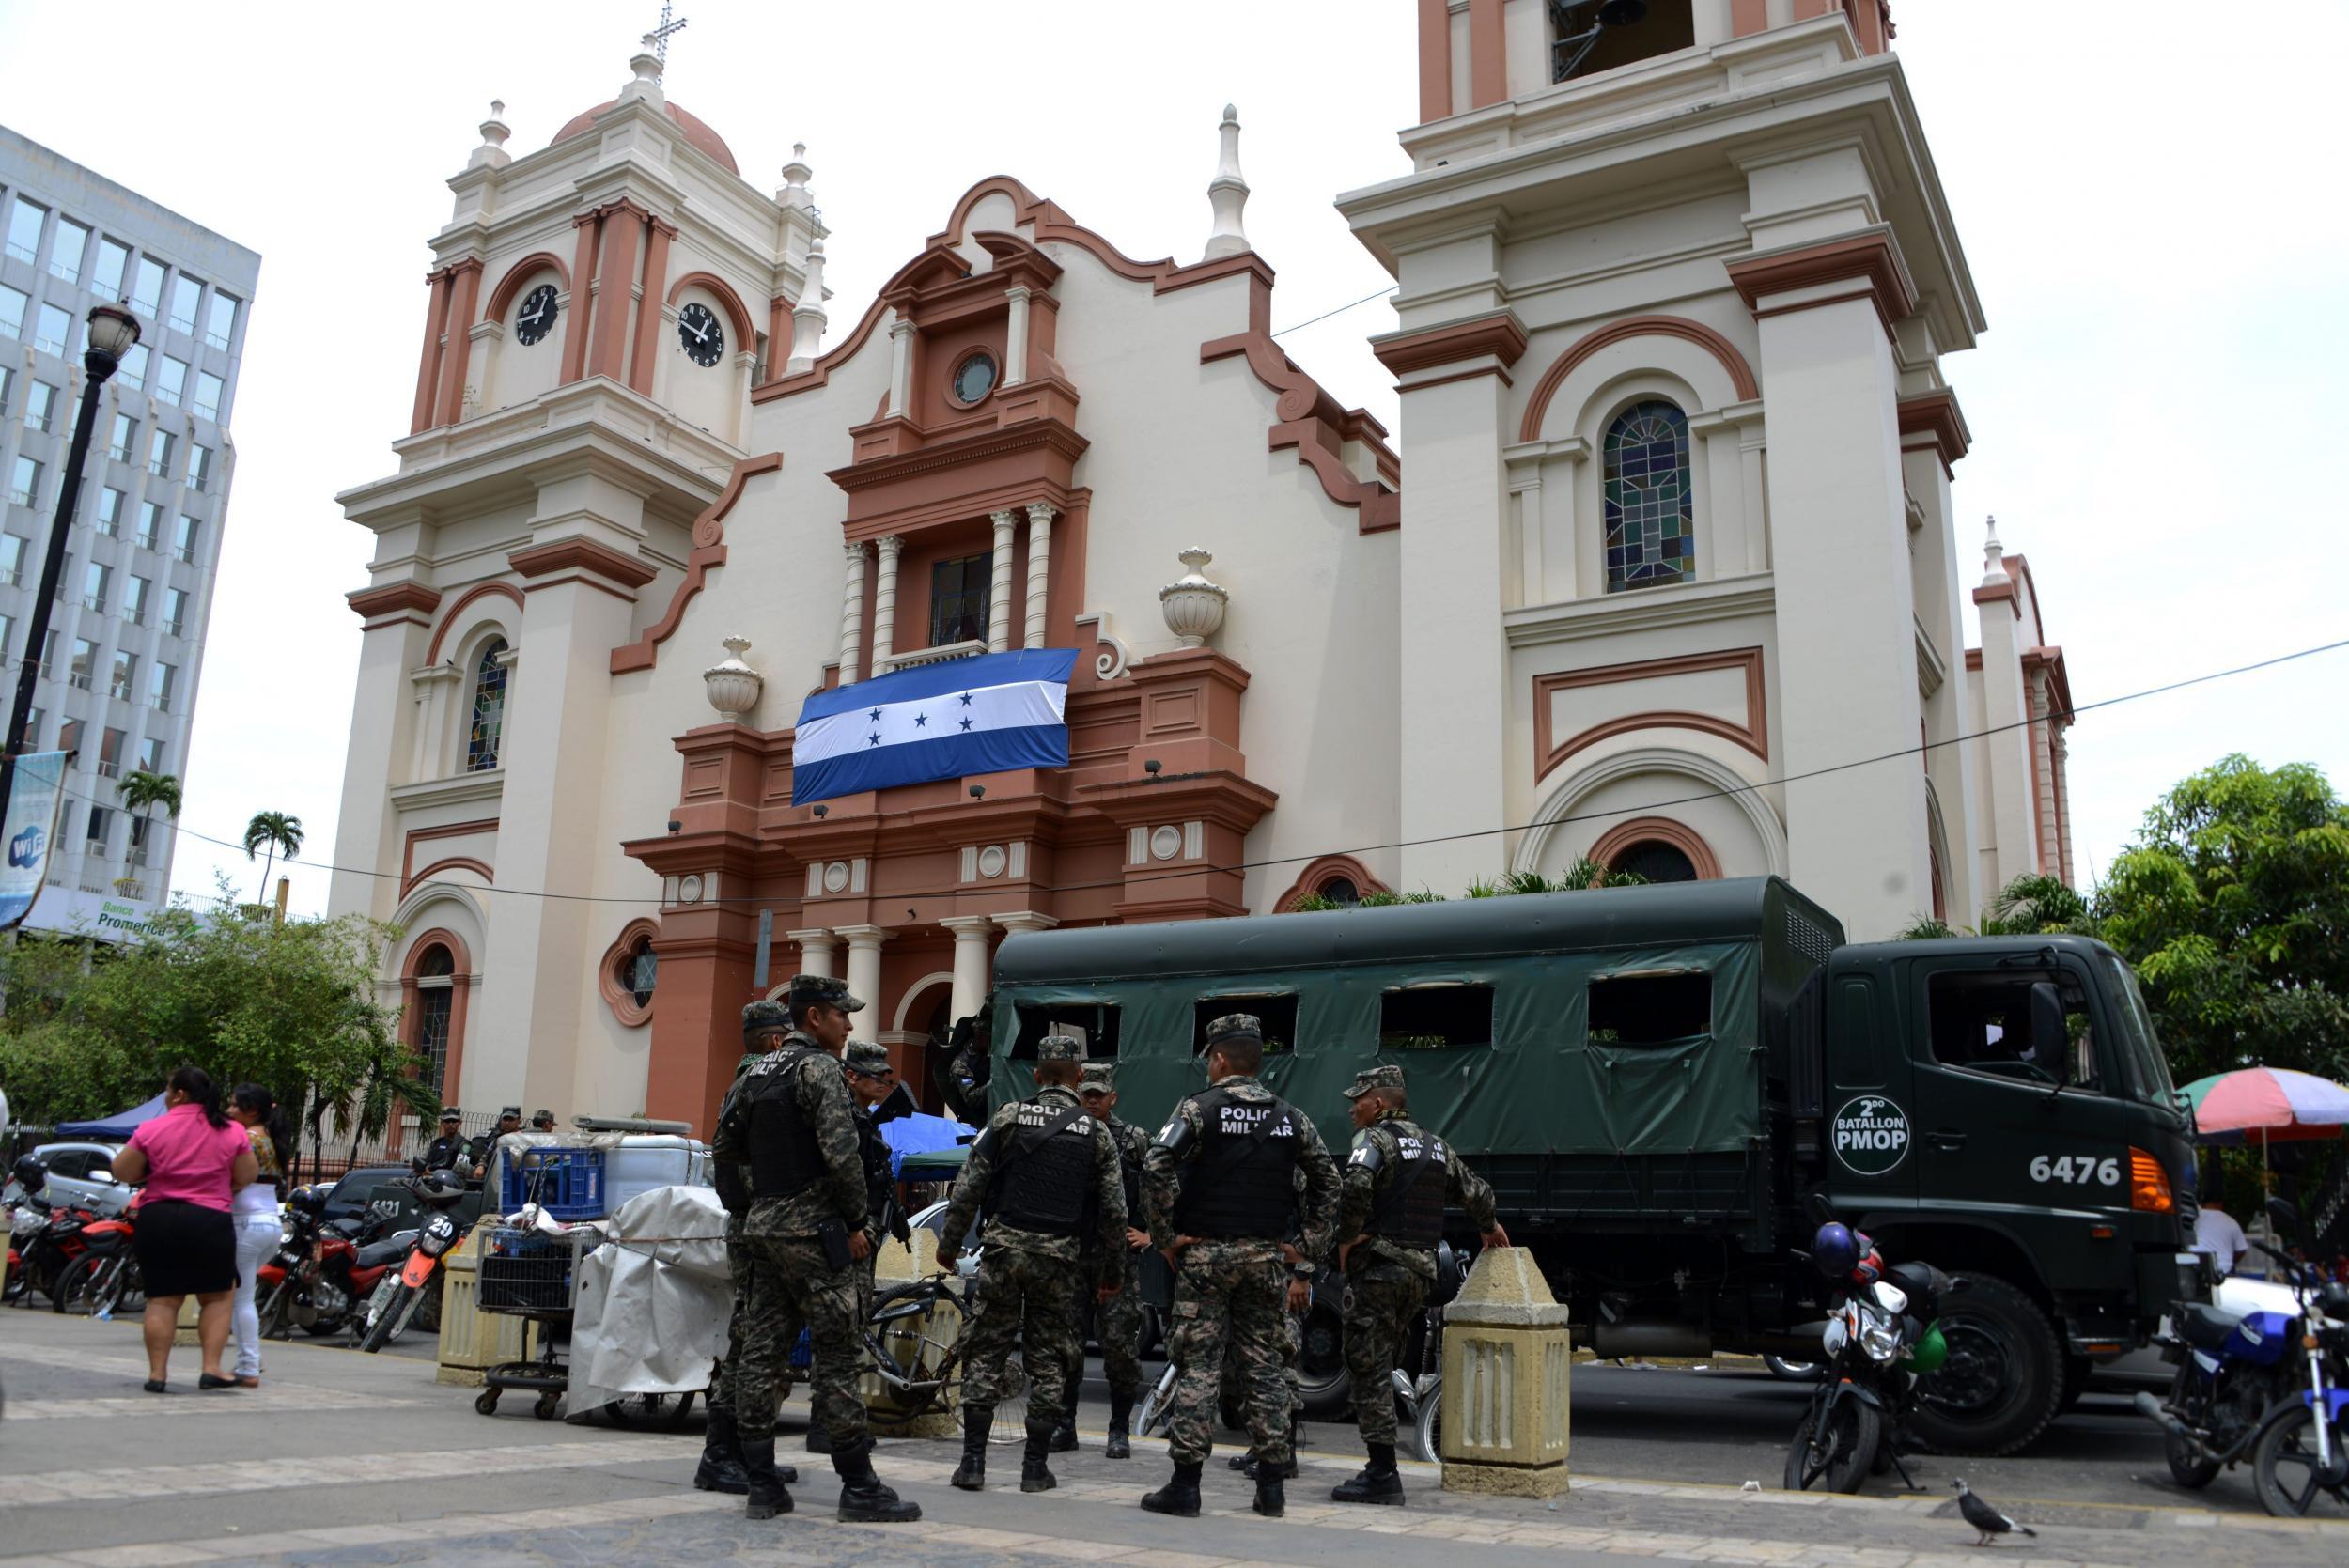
(275, 832)
(143, 791)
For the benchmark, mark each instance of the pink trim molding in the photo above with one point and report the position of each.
(1740, 373)
(709, 550)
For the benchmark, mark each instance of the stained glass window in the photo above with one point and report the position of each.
(435, 999)
(489, 708)
(1650, 535)
(641, 970)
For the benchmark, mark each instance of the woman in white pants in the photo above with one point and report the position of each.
(255, 1213)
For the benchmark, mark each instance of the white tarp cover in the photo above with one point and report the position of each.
(653, 1299)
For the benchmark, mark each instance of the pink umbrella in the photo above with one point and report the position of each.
(2271, 1104)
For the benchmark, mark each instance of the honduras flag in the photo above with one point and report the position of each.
(981, 715)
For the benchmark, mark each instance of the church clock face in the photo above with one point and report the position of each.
(537, 315)
(704, 339)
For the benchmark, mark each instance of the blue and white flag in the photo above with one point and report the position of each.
(982, 715)
(29, 824)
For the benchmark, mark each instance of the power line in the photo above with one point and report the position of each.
(1400, 844)
(1375, 294)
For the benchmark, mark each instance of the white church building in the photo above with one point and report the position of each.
(1670, 581)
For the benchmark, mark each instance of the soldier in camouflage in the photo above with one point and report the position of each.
(1398, 1179)
(1232, 1397)
(964, 1087)
(1235, 1149)
(1119, 1320)
(794, 1126)
(764, 1025)
(1048, 1175)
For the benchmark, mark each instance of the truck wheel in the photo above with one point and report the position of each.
(2076, 1370)
(2004, 1375)
(1322, 1381)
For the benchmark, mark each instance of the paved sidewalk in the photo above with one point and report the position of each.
(347, 1459)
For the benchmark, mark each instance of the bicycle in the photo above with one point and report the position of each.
(921, 1375)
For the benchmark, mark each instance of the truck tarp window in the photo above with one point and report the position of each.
(1650, 1009)
(1431, 1017)
(1278, 1013)
(1092, 1022)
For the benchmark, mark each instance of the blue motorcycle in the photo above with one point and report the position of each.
(2302, 1449)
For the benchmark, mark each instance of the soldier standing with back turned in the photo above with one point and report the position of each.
(764, 1026)
(1235, 1148)
(1389, 1217)
(1047, 1174)
(794, 1125)
(1119, 1320)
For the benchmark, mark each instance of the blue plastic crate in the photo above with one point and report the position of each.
(567, 1184)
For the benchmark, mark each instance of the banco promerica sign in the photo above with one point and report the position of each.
(1870, 1136)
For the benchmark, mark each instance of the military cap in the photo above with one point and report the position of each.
(1235, 1026)
(765, 1014)
(542, 1115)
(450, 1114)
(513, 1111)
(1098, 1075)
(1385, 1075)
(864, 1056)
(1059, 1048)
(807, 989)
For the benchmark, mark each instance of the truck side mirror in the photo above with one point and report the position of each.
(2050, 1042)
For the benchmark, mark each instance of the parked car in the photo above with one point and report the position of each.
(353, 1194)
(79, 1174)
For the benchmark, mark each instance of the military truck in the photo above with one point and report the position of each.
(1661, 1082)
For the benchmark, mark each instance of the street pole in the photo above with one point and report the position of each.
(112, 333)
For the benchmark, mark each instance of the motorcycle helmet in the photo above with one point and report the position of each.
(443, 1187)
(1835, 1250)
(1928, 1353)
(310, 1200)
(29, 1173)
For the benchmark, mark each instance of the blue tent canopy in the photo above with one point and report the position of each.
(122, 1124)
(922, 1134)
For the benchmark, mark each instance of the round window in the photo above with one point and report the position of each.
(975, 378)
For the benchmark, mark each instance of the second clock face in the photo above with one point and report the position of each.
(538, 314)
(698, 330)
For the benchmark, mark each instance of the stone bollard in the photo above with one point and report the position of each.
(473, 1341)
(891, 1265)
(1505, 1355)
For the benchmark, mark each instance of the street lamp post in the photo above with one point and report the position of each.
(113, 331)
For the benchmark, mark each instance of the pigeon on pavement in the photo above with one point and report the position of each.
(1985, 1518)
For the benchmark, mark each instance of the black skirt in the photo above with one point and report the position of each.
(185, 1249)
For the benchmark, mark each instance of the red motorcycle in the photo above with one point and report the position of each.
(323, 1269)
(102, 1278)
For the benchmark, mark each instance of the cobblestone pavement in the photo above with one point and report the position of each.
(344, 1459)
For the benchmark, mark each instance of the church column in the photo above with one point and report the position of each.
(885, 602)
(429, 363)
(864, 956)
(616, 280)
(999, 592)
(900, 366)
(456, 356)
(1015, 336)
(1040, 516)
(819, 951)
(399, 619)
(852, 614)
(2005, 747)
(645, 355)
(973, 933)
(582, 299)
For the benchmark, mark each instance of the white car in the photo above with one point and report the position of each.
(81, 1174)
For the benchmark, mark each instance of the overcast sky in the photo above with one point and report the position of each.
(2140, 189)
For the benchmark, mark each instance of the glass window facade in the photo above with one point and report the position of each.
(208, 389)
(1651, 537)
(219, 324)
(53, 332)
(96, 577)
(176, 611)
(151, 755)
(133, 372)
(108, 516)
(489, 707)
(40, 406)
(123, 444)
(107, 275)
(135, 593)
(150, 523)
(13, 303)
(160, 677)
(187, 296)
(78, 675)
(11, 559)
(146, 293)
(958, 593)
(25, 481)
(25, 221)
(159, 445)
(184, 538)
(171, 379)
(67, 250)
(199, 466)
(123, 683)
(110, 754)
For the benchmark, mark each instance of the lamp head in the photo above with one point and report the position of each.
(675, 826)
(822, 812)
(1152, 765)
(113, 331)
(978, 792)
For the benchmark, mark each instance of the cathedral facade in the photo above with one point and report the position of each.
(1671, 582)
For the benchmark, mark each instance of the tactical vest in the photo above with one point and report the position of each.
(1130, 1172)
(1241, 1182)
(1409, 1212)
(785, 1156)
(1047, 1175)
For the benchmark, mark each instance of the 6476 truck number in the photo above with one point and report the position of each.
(2079, 1169)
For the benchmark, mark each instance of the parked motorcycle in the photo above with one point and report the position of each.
(396, 1296)
(1881, 1336)
(104, 1277)
(324, 1269)
(2302, 1449)
(2237, 1373)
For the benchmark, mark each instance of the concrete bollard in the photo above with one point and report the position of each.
(1505, 1359)
(891, 1265)
(473, 1341)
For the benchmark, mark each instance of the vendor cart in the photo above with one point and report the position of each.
(534, 1274)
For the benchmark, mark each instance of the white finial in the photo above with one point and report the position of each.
(1227, 194)
(492, 152)
(796, 175)
(808, 315)
(1993, 556)
(645, 63)
(1192, 606)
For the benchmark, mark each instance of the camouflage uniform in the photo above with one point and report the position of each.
(881, 1218)
(1389, 1207)
(1232, 1394)
(721, 1468)
(1119, 1323)
(1030, 1276)
(964, 1087)
(1239, 1282)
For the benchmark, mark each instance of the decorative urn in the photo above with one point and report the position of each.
(1193, 607)
(734, 686)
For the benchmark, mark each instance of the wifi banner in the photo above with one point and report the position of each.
(36, 797)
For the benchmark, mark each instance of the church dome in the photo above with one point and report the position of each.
(696, 130)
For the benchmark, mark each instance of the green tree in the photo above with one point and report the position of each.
(2234, 905)
(142, 792)
(277, 831)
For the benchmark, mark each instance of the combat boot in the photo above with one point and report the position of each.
(1178, 1496)
(1064, 1434)
(1377, 1483)
(1270, 1502)
(818, 1440)
(1035, 1474)
(1121, 1422)
(971, 1475)
(720, 1470)
(863, 1499)
(767, 1495)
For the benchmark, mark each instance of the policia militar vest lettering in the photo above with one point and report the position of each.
(1046, 1182)
(785, 1158)
(1411, 1212)
(1242, 1182)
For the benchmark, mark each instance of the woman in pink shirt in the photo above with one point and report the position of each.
(190, 1160)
